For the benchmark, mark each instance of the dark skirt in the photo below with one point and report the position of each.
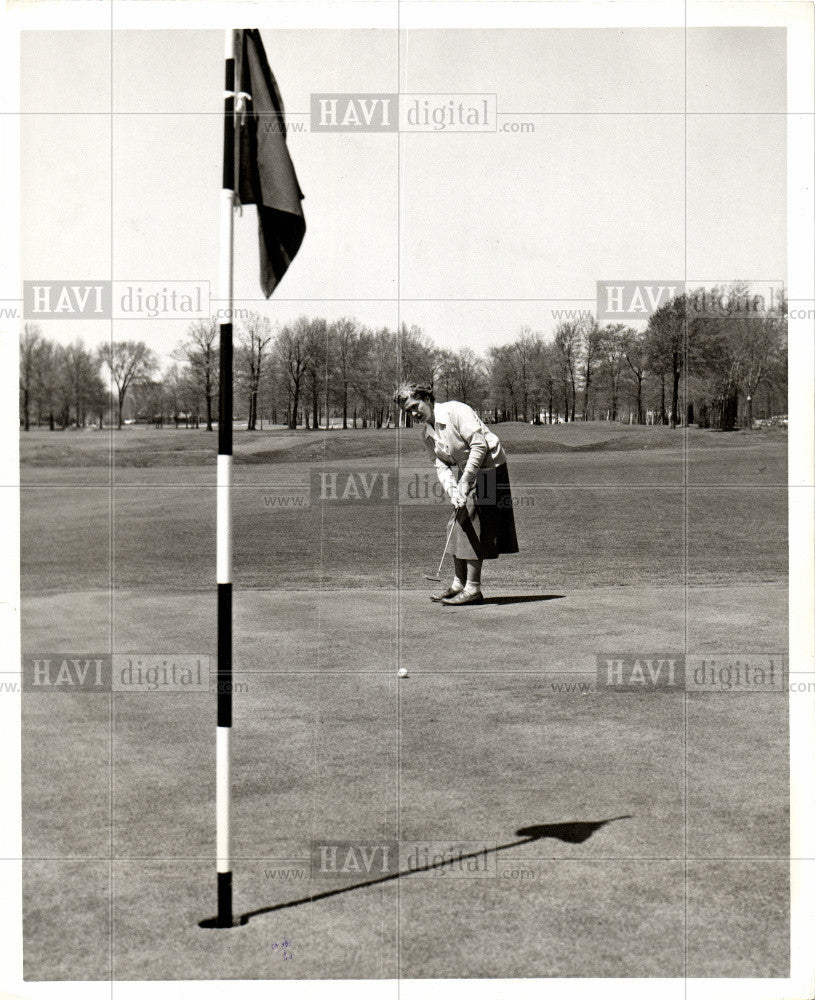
(485, 528)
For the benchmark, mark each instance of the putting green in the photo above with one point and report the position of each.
(478, 743)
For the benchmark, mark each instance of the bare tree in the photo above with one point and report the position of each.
(84, 389)
(467, 376)
(503, 382)
(761, 346)
(548, 368)
(128, 361)
(254, 338)
(667, 347)
(567, 344)
(382, 374)
(515, 374)
(417, 355)
(613, 342)
(199, 352)
(348, 349)
(48, 383)
(151, 401)
(443, 374)
(525, 350)
(30, 351)
(736, 351)
(592, 349)
(318, 365)
(291, 352)
(634, 351)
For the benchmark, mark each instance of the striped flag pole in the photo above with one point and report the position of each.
(265, 178)
(224, 508)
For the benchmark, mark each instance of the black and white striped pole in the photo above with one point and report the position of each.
(276, 193)
(223, 749)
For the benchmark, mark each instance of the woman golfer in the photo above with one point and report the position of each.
(471, 466)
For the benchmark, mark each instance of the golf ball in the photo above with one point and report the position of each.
(403, 672)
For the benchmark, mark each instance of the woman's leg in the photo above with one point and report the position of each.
(462, 570)
(473, 584)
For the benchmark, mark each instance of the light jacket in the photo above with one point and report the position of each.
(461, 439)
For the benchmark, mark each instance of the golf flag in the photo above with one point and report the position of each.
(264, 173)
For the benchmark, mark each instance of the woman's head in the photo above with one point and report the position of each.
(415, 399)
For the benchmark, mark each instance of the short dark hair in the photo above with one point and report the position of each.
(413, 390)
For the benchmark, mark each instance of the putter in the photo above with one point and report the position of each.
(437, 578)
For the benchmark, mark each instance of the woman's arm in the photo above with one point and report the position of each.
(446, 477)
(468, 426)
(444, 472)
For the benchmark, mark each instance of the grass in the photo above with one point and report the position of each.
(137, 445)
(469, 749)
(477, 743)
(580, 514)
(163, 538)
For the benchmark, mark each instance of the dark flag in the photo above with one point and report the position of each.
(263, 169)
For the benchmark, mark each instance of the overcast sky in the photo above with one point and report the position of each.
(494, 230)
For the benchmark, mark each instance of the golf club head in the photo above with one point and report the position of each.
(433, 579)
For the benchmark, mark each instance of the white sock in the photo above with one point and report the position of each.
(472, 588)
(456, 585)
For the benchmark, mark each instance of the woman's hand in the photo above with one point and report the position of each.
(457, 498)
(459, 495)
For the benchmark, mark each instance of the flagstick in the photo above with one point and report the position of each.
(224, 508)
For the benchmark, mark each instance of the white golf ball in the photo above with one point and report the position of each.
(403, 672)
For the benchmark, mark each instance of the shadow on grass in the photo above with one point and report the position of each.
(520, 599)
(575, 832)
(508, 599)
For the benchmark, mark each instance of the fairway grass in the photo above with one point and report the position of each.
(633, 540)
(169, 446)
(712, 513)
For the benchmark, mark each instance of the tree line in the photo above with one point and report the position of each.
(686, 366)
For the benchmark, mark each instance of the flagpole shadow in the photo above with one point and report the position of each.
(573, 832)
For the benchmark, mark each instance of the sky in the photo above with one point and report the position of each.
(470, 235)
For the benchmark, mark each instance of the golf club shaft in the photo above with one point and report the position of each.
(447, 543)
